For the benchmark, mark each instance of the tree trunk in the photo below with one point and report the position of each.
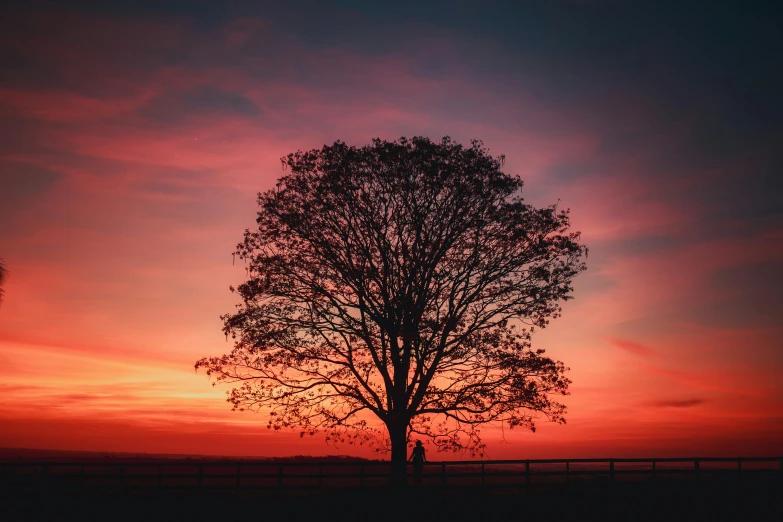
(397, 434)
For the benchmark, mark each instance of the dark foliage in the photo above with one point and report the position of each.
(399, 281)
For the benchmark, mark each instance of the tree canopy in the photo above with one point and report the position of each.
(392, 292)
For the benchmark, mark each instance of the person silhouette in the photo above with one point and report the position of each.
(418, 458)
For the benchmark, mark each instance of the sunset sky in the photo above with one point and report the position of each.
(134, 137)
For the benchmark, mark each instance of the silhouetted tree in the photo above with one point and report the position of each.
(3, 277)
(400, 280)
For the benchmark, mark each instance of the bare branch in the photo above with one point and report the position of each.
(400, 281)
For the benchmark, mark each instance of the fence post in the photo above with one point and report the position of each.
(137, 479)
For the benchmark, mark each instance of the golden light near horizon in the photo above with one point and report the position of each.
(129, 168)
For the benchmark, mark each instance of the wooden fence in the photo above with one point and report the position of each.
(244, 475)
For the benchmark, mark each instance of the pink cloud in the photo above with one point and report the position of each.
(118, 283)
(634, 348)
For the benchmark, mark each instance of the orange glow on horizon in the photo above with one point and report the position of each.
(125, 187)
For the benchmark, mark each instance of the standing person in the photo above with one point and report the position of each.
(418, 459)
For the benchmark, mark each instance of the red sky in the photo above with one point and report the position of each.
(133, 144)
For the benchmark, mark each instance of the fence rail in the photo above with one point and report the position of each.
(258, 475)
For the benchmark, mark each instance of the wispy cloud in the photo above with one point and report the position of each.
(129, 167)
(634, 348)
(682, 403)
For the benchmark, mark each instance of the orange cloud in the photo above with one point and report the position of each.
(133, 165)
(634, 348)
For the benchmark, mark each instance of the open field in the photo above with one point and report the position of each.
(251, 475)
(587, 500)
(617, 489)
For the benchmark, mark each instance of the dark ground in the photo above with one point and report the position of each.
(583, 500)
